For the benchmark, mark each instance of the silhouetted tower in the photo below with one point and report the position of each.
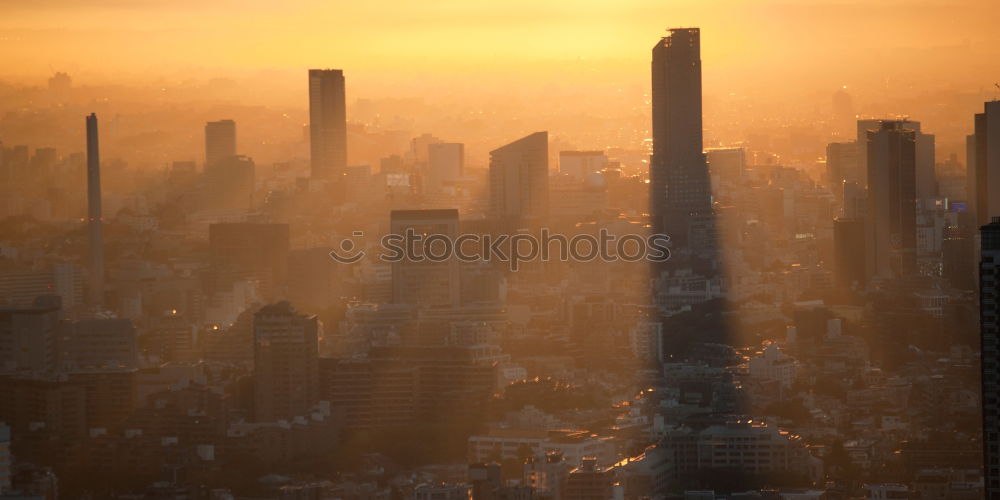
(327, 123)
(94, 221)
(286, 363)
(680, 191)
(891, 219)
(220, 141)
(989, 330)
(983, 163)
(519, 178)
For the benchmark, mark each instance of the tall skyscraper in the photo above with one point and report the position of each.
(327, 123)
(519, 178)
(94, 219)
(426, 282)
(286, 363)
(983, 163)
(678, 172)
(220, 141)
(989, 329)
(925, 181)
(891, 219)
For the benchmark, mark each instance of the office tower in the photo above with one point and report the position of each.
(20, 288)
(426, 282)
(28, 336)
(229, 183)
(580, 164)
(519, 178)
(97, 344)
(891, 221)
(372, 393)
(841, 165)
(989, 329)
(327, 123)
(680, 190)
(445, 162)
(220, 141)
(171, 336)
(983, 164)
(862, 141)
(727, 163)
(286, 363)
(249, 251)
(453, 383)
(849, 253)
(925, 179)
(94, 220)
(52, 400)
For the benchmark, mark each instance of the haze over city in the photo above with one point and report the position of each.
(587, 250)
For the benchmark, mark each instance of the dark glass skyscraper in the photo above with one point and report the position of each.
(989, 329)
(680, 191)
(327, 123)
(891, 223)
(984, 164)
(95, 220)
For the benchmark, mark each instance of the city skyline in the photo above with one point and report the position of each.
(746, 278)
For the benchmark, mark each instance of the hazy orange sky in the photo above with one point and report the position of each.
(106, 39)
(766, 62)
